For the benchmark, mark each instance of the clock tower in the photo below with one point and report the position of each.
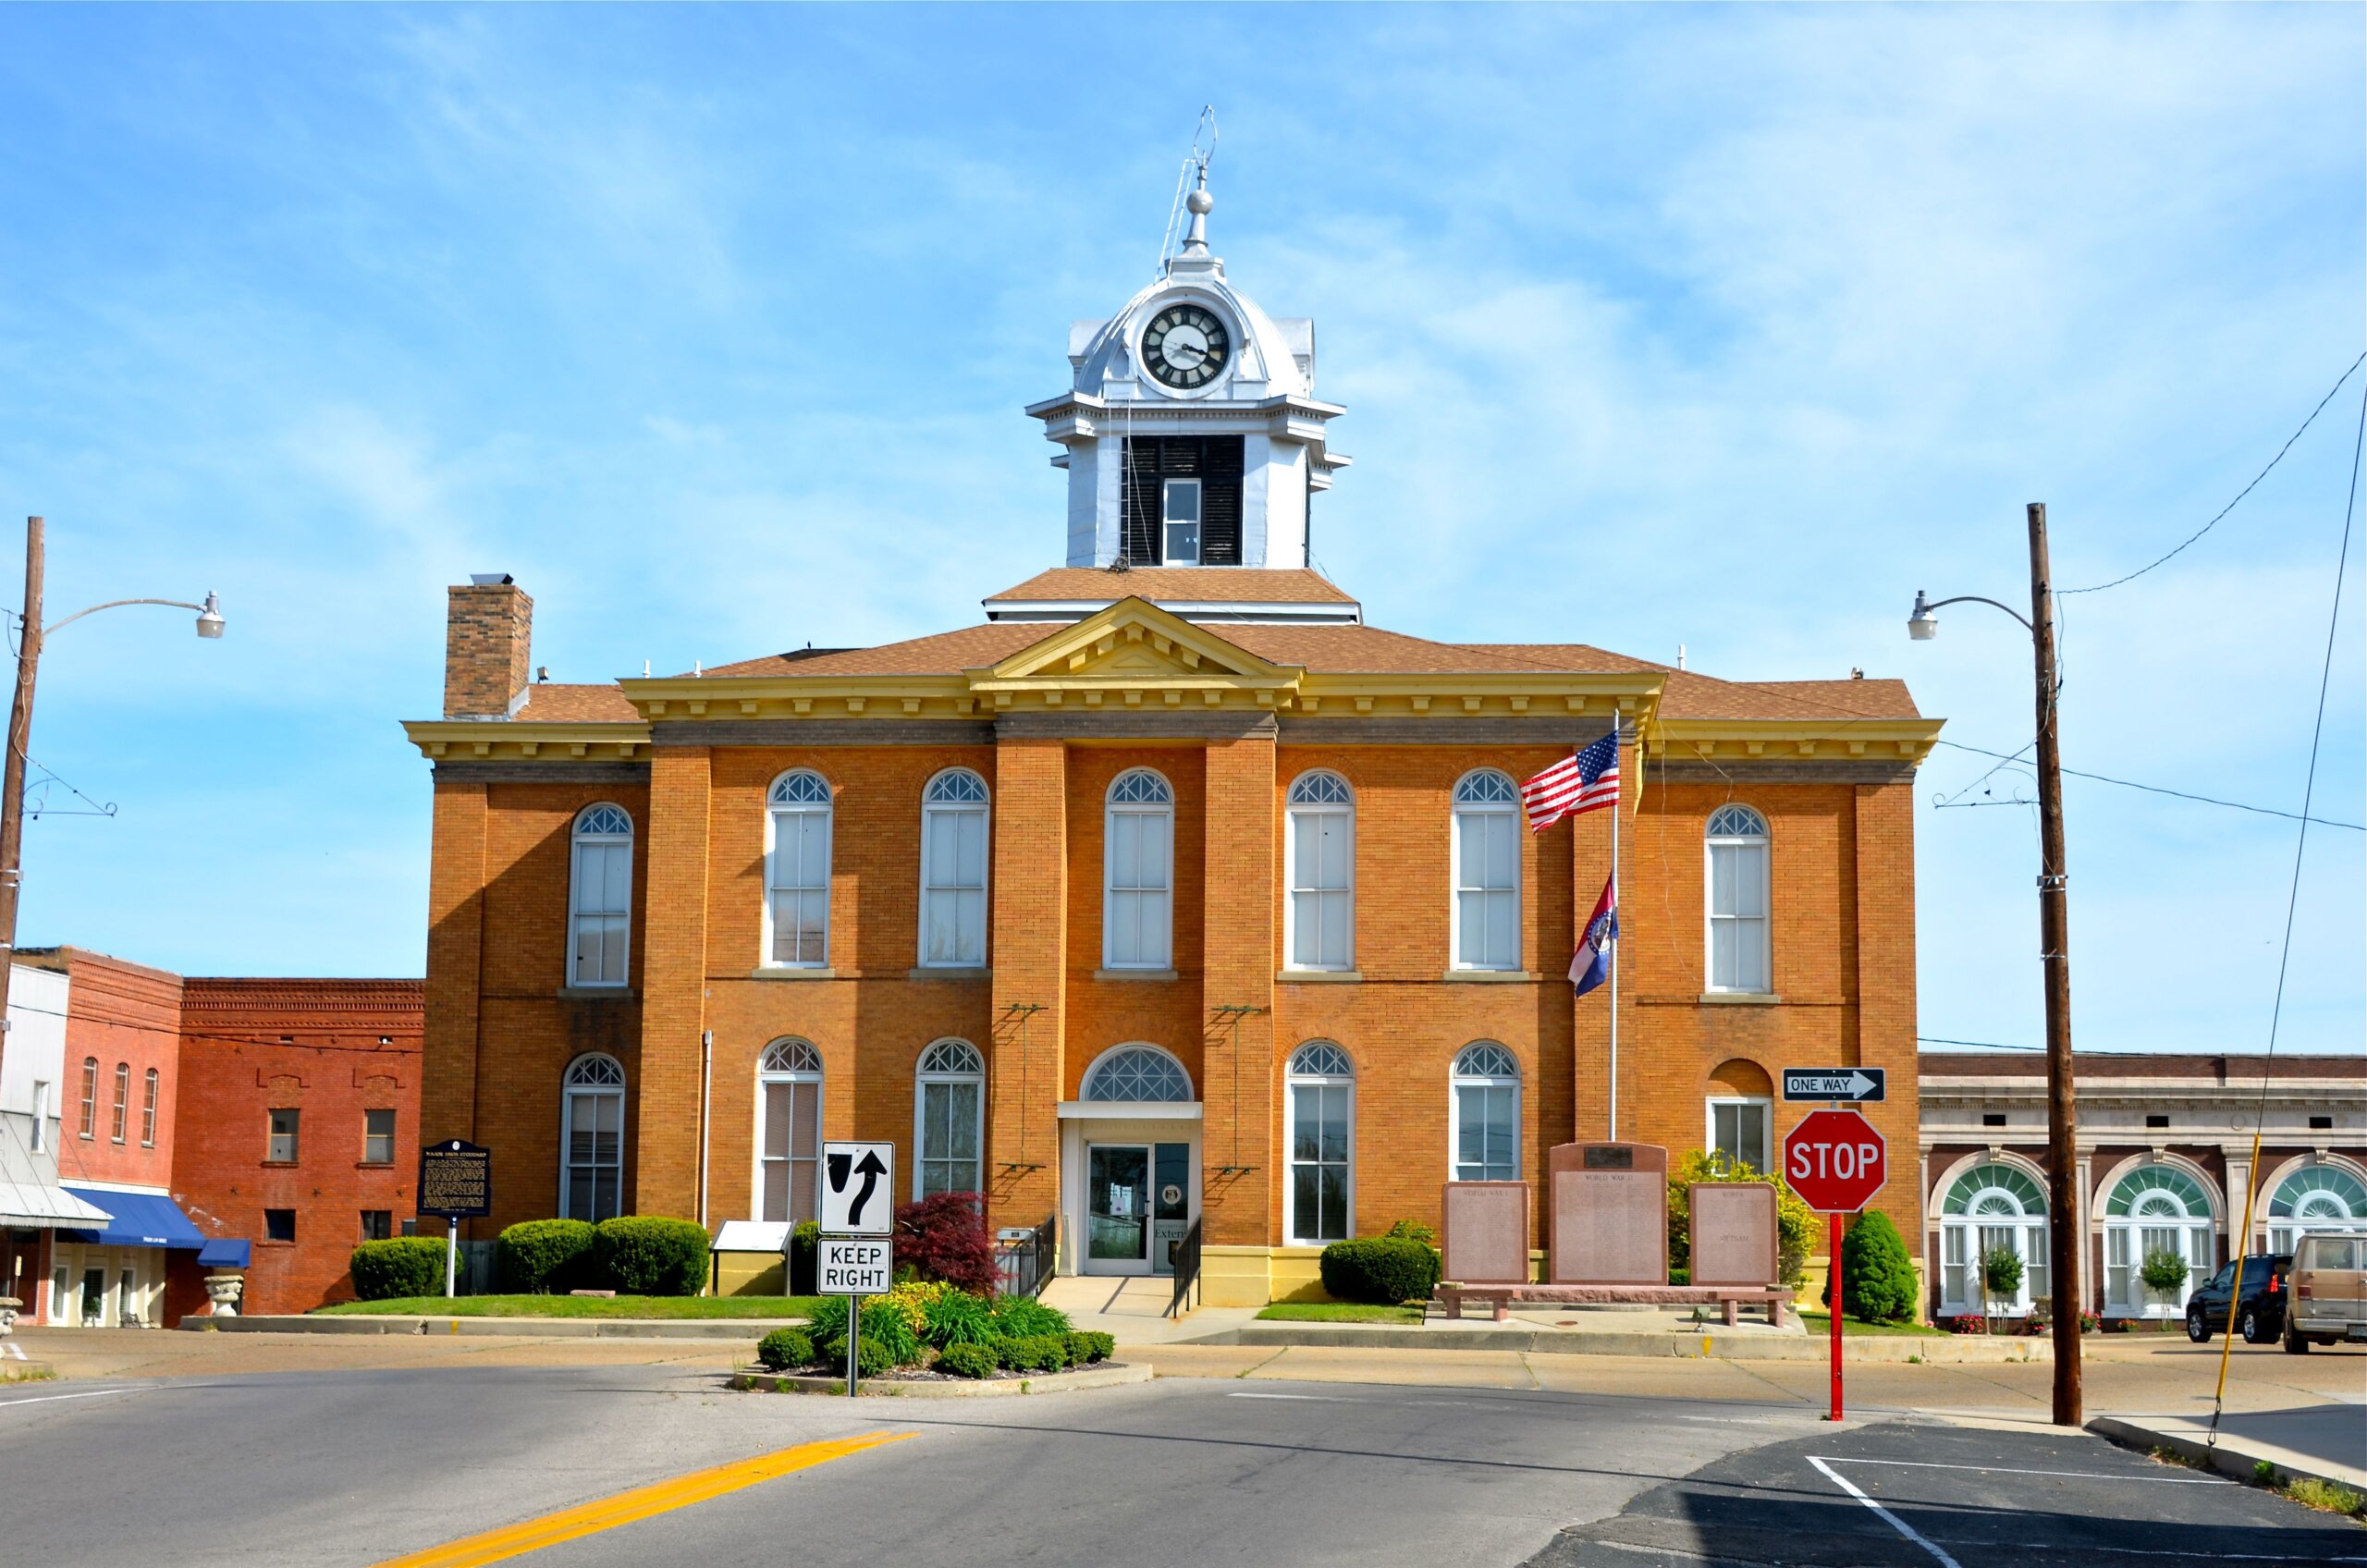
(1191, 432)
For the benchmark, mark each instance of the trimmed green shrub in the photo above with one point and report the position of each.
(2162, 1271)
(957, 1318)
(1090, 1346)
(1034, 1353)
(2001, 1271)
(538, 1256)
(1380, 1270)
(967, 1360)
(400, 1265)
(1412, 1230)
(1876, 1277)
(872, 1359)
(785, 1348)
(1019, 1317)
(649, 1256)
(804, 1252)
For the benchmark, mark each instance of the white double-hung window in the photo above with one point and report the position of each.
(1485, 1089)
(1320, 828)
(797, 871)
(789, 1148)
(591, 1139)
(949, 1095)
(1139, 872)
(599, 896)
(1486, 852)
(953, 871)
(1319, 1204)
(1179, 515)
(1738, 878)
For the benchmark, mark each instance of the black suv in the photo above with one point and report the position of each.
(2260, 1319)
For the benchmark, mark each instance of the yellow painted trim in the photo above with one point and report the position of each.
(642, 1502)
(1049, 658)
(1792, 740)
(473, 740)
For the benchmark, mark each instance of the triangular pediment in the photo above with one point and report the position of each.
(1134, 640)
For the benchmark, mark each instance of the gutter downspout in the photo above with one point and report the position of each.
(706, 1095)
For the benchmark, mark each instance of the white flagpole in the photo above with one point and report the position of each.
(1618, 810)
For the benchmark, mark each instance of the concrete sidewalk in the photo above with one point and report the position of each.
(2324, 1441)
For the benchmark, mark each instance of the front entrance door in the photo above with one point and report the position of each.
(1117, 1208)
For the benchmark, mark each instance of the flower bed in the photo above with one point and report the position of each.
(924, 1330)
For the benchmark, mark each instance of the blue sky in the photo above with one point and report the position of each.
(1721, 327)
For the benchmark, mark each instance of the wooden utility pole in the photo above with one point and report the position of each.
(2065, 1237)
(12, 775)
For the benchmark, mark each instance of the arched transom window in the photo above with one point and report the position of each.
(797, 871)
(1485, 1089)
(1486, 852)
(1736, 846)
(600, 896)
(1138, 1073)
(789, 1147)
(953, 871)
(1139, 871)
(1319, 1201)
(2316, 1197)
(1321, 828)
(949, 1100)
(591, 1139)
(2153, 1210)
(1990, 1207)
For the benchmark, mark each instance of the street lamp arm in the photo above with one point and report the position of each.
(56, 626)
(1975, 599)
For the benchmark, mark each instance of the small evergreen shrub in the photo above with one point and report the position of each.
(2001, 1271)
(1411, 1231)
(1034, 1353)
(539, 1256)
(785, 1348)
(1019, 1318)
(1380, 1270)
(967, 1360)
(872, 1359)
(400, 1265)
(1090, 1346)
(957, 1318)
(944, 1237)
(1876, 1277)
(649, 1256)
(2164, 1271)
(803, 1253)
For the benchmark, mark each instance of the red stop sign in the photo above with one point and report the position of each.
(1835, 1161)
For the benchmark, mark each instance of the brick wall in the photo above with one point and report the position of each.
(127, 1018)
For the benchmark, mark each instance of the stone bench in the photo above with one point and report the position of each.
(1728, 1297)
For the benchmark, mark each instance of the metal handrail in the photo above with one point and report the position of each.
(1187, 1268)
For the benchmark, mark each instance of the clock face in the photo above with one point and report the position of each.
(1186, 347)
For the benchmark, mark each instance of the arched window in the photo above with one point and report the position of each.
(148, 1112)
(789, 1147)
(1138, 860)
(2316, 1197)
(1320, 828)
(1737, 881)
(600, 896)
(797, 871)
(1987, 1208)
(122, 1098)
(1487, 872)
(90, 1124)
(2156, 1208)
(592, 1140)
(1318, 1206)
(949, 1097)
(1486, 1092)
(1138, 1075)
(953, 871)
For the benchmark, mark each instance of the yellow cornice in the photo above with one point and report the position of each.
(463, 739)
(1838, 737)
(1168, 646)
(801, 696)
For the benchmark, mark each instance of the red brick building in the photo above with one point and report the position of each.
(1172, 893)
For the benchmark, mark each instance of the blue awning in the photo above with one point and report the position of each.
(141, 1220)
(225, 1251)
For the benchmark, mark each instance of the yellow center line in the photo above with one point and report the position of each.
(662, 1496)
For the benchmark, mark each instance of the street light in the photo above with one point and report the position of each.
(2063, 1239)
(21, 727)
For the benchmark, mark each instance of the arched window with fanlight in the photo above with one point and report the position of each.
(2316, 1197)
(2156, 1208)
(1318, 1203)
(788, 1135)
(1486, 853)
(1992, 1206)
(797, 871)
(948, 1102)
(1138, 870)
(1736, 846)
(953, 871)
(599, 896)
(1485, 1089)
(1319, 830)
(591, 1139)
(1138, 1075)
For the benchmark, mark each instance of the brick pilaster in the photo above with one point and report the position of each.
(1883, 876)
(1240, 954)
(666, 1133)
(455, 959)
(1027, 946)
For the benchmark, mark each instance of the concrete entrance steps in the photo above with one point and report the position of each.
(1134, 1308)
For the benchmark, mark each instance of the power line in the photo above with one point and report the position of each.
(2099, 587)
(2156, 790)
(1976, 1045)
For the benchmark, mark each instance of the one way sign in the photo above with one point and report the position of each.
(858, 1189)
(1856, 1085)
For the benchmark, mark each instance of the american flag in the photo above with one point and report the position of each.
(1586, 782)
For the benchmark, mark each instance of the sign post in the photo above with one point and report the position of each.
(858, 1211)
(456, 1181)
(1837, 1162)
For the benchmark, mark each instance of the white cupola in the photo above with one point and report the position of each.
(1190, 430)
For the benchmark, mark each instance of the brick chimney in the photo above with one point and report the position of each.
(487, 643)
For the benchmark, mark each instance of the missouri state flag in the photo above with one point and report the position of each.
(1591, 966)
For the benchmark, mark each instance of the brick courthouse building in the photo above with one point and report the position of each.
(1172, 891)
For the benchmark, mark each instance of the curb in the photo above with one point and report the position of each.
(739, 1328)
(2236, 1457)
(1711, 1344)
(1110, 1375)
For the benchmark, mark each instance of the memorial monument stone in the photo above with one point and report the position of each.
(1486, 1232)
(1735, 1232)
(1610, 1214)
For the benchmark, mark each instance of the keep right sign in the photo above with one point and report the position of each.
(1835, 1161)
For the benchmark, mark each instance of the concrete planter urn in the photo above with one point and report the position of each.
(223, 1288)
(9, 1307)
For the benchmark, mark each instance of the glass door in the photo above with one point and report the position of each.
(1117, 1208)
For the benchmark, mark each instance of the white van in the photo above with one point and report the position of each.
(2326, 1292)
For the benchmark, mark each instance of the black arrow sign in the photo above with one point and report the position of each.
(870, 1169)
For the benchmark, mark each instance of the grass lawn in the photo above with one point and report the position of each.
(1338, 1312)
(1822, 1323)
(583, 1306)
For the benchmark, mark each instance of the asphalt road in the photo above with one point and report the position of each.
(357, 1467)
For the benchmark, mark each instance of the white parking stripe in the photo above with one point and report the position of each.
(1901, 1526)
(2067, 1474)
(45, 1399)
